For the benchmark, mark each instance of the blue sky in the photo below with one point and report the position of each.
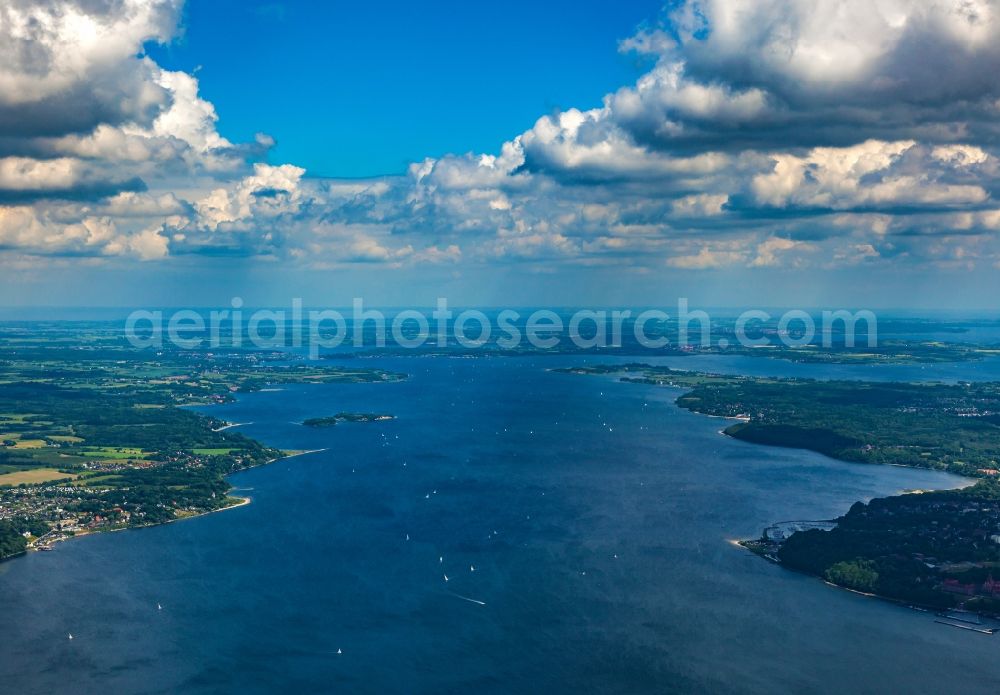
(771, 152)
(360, 89)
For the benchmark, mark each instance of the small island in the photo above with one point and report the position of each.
(334, 420)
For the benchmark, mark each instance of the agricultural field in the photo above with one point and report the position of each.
(93, 435)
(32, 476)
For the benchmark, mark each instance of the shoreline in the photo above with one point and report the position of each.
(242, 501)
(744, 543)
(290, 455)
(231, 425)
(48, 546)
(963, 482)
(969, 480)
(920, 608)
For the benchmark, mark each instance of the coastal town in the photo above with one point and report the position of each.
(97, 436)
(80, 504)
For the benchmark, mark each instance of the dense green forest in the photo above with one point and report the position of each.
(954, 427)
(11, 540)
(916, 548)
(948, 427)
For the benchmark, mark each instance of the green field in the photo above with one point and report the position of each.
(113, 453)
(29, 444)
(34, 476)
(80, 403)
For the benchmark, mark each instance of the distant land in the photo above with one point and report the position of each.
(890, 351)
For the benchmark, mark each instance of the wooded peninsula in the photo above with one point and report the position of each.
(934, 549)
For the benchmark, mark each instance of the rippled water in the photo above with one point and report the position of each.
(597, 515)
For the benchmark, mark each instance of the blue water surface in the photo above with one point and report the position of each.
(585, 528)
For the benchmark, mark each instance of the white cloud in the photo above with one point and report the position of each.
(764, 133)
(22, 227)
(770, 251)
(707, 257)
(867, 175)
(703, 204)
(25, 174)
(72, 64)
(269, 192)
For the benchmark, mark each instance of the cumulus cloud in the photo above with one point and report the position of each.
(762, 134)
(70, 66)
(811, 72)
(26, 229)
(89, 126)
(269, 192)
(708, 256)
(769, 252)
(870, 174)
